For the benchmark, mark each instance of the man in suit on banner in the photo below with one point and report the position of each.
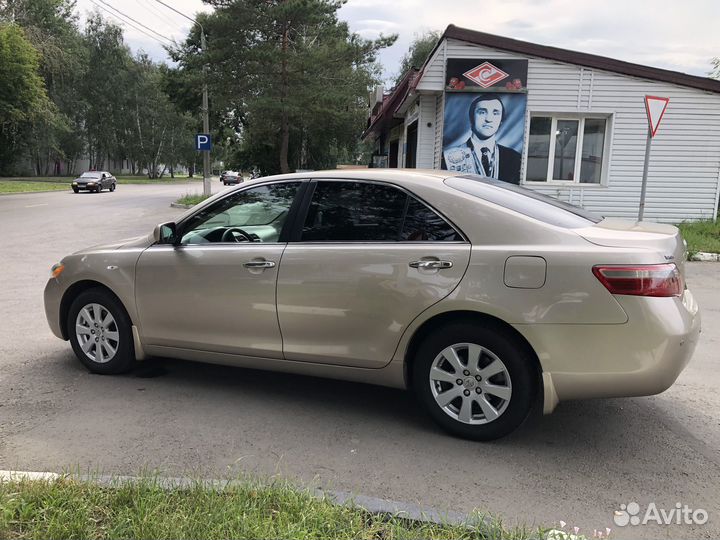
(481, 154)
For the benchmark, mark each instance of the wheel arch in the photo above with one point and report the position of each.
(484, 319)
(74, 291)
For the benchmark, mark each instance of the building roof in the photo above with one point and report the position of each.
(582, 59)
(383, 117)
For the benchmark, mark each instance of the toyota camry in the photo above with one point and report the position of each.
(485, 299)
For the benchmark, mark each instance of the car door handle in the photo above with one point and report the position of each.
(431, 264)
(259, 264)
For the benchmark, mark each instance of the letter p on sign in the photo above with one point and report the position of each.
(203, 142)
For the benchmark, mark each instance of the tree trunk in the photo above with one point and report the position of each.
(284, 120)
(172, 172)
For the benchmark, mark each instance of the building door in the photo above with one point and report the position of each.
(393, 159)
(411, 153)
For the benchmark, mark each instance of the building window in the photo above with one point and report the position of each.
(566, 149)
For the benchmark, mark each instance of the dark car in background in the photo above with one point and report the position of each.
(94, 181)
(231, 177)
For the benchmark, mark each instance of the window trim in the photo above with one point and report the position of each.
(296, 233)
(609, 118)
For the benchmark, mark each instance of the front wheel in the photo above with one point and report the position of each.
(476, 382)
(112, 187)
(76, 190)
(101, 333)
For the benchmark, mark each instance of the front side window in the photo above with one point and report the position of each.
(253, 215)
(367, 212)
(566, 149)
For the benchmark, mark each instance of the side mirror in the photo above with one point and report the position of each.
(165, 233)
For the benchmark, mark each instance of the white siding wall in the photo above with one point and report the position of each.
(684, 174)
(426, 132)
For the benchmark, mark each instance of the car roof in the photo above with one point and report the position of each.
(396, 176)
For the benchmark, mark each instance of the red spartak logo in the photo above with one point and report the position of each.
(486, 74)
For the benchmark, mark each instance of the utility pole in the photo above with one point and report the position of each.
(206, 117)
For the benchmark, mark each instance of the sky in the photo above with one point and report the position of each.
(681, 36)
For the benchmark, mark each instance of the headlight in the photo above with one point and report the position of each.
(57, 269)
(74, 183)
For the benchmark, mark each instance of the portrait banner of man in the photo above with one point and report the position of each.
(483, 134)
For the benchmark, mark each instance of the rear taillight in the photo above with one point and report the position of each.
(641, 279)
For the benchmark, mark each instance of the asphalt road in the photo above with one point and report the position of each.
(579, 464)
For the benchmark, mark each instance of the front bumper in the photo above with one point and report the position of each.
(639, 358)
(53, 297)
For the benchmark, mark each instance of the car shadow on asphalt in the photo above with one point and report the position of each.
(574, 423)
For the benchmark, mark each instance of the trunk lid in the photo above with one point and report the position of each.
(659, 237)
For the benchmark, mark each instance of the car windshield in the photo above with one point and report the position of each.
(90, 175)
(525, 201)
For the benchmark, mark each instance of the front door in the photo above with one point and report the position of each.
(215, 291)
(370, 258)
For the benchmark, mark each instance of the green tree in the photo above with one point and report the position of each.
(23, 98)
(287, 76)
(417, 53)
(105, 84)
(161, 135)
(51, 26)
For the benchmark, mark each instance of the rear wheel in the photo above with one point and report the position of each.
(476, 382)
(101, 333)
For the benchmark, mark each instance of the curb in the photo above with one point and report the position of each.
(373, 505)
(178, 205)
(33, 192)
(704, 256)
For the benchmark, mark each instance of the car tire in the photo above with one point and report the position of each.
(112, 187)
(98, 189)
(100, 332)
(485, 390)
(76, 190)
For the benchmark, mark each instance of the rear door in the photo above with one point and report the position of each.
(367, 258)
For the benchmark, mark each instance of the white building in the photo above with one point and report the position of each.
(579, 134)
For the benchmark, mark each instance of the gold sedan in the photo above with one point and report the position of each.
(482, 297)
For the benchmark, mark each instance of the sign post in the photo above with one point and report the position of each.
(655, 108)
(203, 143)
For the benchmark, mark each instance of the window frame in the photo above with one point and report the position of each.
(301, 216)
(580, 117)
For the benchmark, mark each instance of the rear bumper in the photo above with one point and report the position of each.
(641, 357)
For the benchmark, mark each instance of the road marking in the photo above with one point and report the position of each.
(34, 205)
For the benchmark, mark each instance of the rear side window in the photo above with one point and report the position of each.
(367, 212)
(423, 224)
(525, 201)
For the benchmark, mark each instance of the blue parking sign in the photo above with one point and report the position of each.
(203, 142)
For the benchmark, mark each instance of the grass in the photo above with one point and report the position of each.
(191, 199)
(17, 186)
(702, 235)
(69, 508)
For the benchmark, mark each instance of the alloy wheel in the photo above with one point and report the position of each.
(97, 333)
(470, 383)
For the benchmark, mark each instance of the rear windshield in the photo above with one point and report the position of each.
(525, 201)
